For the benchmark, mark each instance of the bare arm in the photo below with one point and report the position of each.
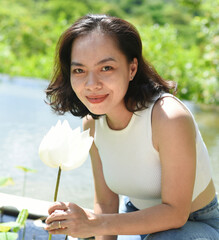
(105, 200)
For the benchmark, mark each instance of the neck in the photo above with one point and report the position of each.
(119, 121)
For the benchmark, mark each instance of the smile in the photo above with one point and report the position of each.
(96, 99)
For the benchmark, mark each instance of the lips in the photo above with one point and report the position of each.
(97, 98)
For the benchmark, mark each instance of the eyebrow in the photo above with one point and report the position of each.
(73, 63)
(76, 64)
(106, 60)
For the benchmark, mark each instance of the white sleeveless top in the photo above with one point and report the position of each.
(131, 165)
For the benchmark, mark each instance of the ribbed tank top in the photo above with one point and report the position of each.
(131, 165)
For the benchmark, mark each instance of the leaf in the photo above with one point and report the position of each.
(8, 236)
(5, 227)
(20, 222)
(5, 181)
(25, 169)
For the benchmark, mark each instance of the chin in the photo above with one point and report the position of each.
(97, 111)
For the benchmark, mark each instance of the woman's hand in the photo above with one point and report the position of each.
(70, 219)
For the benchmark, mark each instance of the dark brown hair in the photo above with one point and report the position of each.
(146, 84)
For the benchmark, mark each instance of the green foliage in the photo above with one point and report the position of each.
(8, 236)
(22, 217)
(13, 227)
(196, 78)
(5, 181)
(5, 227)
(30, 31)
(25, 169)
(181, 38)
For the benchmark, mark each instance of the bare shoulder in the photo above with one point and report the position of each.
(171, 119)
(168, 108)
(89, 123)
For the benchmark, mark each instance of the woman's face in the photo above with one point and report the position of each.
(100, 73)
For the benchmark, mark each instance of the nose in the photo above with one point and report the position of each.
(92, 82)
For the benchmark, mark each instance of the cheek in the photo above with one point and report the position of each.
(75, 86)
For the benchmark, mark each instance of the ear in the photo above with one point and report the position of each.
(133, 68)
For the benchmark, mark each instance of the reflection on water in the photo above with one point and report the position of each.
(25, 119)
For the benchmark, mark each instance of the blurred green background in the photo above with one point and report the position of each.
(180, 38)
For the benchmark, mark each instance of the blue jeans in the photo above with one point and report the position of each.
(201, 225)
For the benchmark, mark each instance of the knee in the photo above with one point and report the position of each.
(157, 236)
(150, 237)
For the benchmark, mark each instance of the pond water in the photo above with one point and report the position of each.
(25, 119)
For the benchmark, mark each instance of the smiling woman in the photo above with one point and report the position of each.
(147, 81)
(103, 76)
(147, 146)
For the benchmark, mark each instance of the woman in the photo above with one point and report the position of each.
(147, 145)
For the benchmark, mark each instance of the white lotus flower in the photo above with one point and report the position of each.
(65, 148)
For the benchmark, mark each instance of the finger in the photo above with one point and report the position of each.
(51, 226)
(58, 215)
(58, 231)
(56, 225)
(57, 206)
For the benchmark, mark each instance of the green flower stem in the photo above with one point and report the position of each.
(24, 231)
(56, 192)
(57, 184)
(24, 184)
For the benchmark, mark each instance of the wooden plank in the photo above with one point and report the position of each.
(15, 204)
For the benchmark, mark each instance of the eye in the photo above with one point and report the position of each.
(106, 68)
(78, 71)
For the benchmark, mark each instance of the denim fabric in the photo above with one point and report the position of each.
(201, 225)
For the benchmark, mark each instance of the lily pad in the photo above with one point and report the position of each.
(5, 227)
(8, 236)
(25, 169)
(5, 181)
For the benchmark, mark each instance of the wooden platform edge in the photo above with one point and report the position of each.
(15, 204)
